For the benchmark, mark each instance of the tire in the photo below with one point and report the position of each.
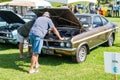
(110, 41)
(81, 54)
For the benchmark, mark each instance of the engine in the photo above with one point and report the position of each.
(6, 31)
(65, 32)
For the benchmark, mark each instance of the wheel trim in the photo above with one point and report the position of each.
(82, 54)
(111, 40)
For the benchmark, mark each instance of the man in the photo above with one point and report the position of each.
(117, 11)
(23, 33)
(93, 10)
(37, 33)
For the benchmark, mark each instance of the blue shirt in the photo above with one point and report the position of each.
(41, 25)
(116, 8)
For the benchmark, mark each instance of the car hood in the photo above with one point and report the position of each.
(10, 17)
(60, 16)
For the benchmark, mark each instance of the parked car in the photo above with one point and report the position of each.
(82, 7)
(29, 16)
(9, 22)
(81, 33)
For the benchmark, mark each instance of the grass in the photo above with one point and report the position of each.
(56, 67)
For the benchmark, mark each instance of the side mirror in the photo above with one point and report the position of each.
(94, 25)
(86, 25)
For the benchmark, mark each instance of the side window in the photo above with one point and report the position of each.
(97, 21)
(105, 21)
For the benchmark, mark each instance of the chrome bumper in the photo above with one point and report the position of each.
(66, 51)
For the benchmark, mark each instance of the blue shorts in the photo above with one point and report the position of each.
(36, 43)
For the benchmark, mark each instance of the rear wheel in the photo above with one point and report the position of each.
(110, 41)
(81, 54)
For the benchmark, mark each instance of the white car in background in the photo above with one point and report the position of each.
(29, 16)
(8, 26)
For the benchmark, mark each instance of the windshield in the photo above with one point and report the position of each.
(84, 20)
(29, 16)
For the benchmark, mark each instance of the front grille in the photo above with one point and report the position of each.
(51, 44)
(3, 34)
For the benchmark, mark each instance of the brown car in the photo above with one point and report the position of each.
(81, 32)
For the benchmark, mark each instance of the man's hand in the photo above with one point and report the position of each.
(57, 33)
(61, 38)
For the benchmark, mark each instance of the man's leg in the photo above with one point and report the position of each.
(29, 51)
(37, 63)
(21, 50)
(37, 43)
(29, 48)
(20, 39)
(33, 62)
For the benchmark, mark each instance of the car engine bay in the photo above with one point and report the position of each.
(65, 32)
(6, 31)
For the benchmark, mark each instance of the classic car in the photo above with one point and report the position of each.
(8, 26)
(81, 33)
(29, 16)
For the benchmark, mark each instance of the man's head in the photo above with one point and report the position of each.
(47, 14)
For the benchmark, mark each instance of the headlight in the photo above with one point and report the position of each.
(62, 44)
(65, 44)
(9, 35)
(68, 44)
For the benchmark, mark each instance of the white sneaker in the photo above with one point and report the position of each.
(33, 71)
(22, 57)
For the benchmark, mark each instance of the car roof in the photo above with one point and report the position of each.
(87, 15)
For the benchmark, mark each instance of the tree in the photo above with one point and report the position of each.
(4, 0)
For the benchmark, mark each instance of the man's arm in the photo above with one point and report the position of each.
(57, 33)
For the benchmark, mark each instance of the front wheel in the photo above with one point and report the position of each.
(81, 54)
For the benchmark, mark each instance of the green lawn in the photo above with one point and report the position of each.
(57, 67)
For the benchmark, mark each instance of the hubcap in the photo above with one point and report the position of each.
(111, 40)
(82, 54)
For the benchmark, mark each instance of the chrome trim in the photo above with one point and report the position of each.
(66, 49)
(92, 36)
(7, 38)
(98, 44)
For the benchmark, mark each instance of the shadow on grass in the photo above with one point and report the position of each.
(5, 46)
(12, 61)
(54, 60)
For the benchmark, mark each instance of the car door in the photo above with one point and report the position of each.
(107, 27)
(93, 36)
(99, 30)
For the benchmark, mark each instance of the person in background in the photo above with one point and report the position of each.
(96, 8)
(117, 11)
(76, 10)
(37, 34)
(22, 35)
(111, 5)
(90, 6)
(101, 11)
(93, 11)
(70, 7)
